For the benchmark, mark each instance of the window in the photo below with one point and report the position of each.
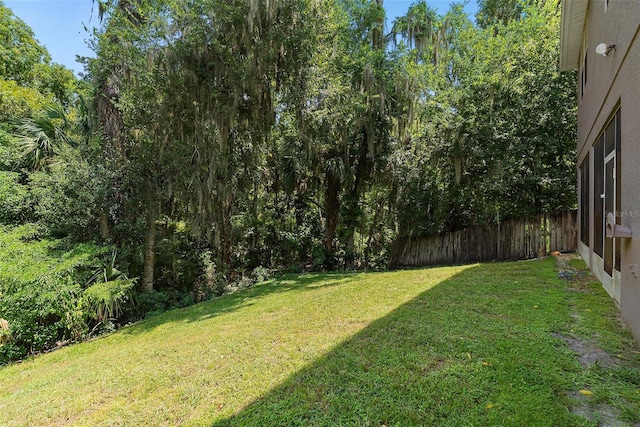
(610, 138)
(606, 192)
(598, 193)
(584, 67)
(609, 192)
(584, 201)
(583, 64)
(618, 187)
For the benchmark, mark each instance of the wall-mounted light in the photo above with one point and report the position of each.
(605, 49)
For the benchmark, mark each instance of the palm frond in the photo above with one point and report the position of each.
(41, 137)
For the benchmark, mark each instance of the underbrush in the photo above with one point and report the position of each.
(53, 292)
(58, 291)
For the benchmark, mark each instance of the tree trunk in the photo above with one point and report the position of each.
(353, 213)
(224, 233)
(331, 212)
(105, 233)
(350, 220)
(372, 230)
(149, 252)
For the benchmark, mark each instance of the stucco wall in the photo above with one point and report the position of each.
(613, 81)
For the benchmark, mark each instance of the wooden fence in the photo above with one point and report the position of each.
(509, 241)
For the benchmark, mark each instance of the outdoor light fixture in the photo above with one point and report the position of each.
(604, 49)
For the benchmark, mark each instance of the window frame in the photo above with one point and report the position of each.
(585, 198)
(584, 64)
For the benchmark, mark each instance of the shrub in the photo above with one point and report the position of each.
(104, 300)
(151, 303)
(108, 290)
(14, 198)
(44, 292)
(37, 314)
(65, 200)
(10, 153)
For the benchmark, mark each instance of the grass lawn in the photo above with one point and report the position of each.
(492, 344)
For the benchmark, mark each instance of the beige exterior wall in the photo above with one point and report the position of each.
(611, 82)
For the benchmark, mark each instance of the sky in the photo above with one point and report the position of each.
(61, 25)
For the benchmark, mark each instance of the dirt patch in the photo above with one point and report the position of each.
(579, 279)
(589, 353)
(602, 414)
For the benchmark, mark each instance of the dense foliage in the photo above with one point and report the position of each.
(52, 291)
(213, 142)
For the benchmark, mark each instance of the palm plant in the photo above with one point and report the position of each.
(107, 291)
(42, 137)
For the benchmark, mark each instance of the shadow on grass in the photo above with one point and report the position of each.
(244, 298)
(476, 349)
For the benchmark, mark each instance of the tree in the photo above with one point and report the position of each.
(197, 95)
(19, 51)
(344, 125)
(24, 63)
(500, 12)
(499, 127)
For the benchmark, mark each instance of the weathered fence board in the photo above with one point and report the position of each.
(509, 241)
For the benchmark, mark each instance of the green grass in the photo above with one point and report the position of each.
(472, 345)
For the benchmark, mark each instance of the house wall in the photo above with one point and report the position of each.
(611, 82)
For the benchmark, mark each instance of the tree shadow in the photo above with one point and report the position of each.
(243, 298)
(472, 350)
